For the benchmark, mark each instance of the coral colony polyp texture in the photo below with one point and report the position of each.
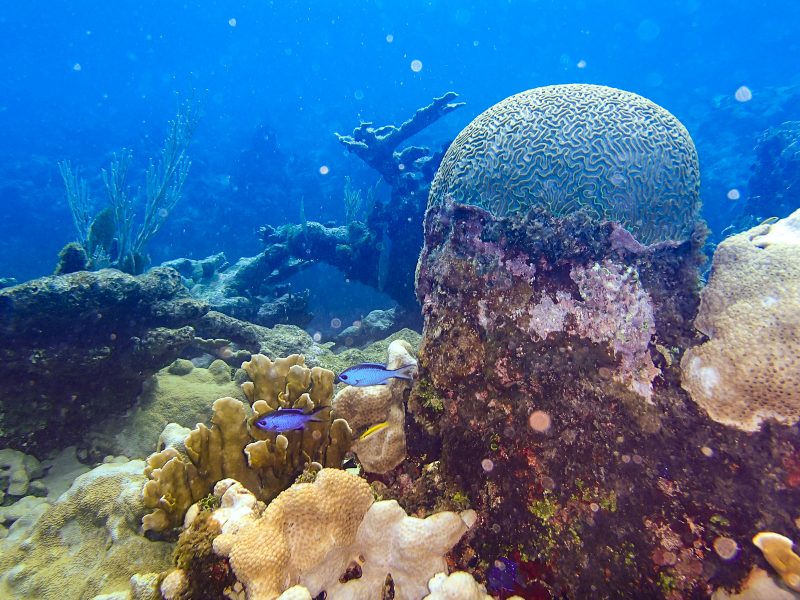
(552, 344)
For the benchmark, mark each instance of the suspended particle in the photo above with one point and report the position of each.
(232, 22)
(733, 194)
(581, 64)
(336, 323)
(77, 67)
(743, 94)
(389, 38)
(487, 464)
(317, 336)
(539, 421)
(725, 547)
(416, 65)
(324, 170)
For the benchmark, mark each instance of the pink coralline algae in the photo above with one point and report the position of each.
(614, 309)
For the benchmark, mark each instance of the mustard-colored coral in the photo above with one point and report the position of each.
(297, 532)
(313, 533)
(779, 553)
(749, 369)
(364, 407)
(264, 462)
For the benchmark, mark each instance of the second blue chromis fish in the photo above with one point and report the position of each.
(364, 374)
(287, 419)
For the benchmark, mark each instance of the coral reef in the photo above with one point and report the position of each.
(749, 369)
(85, 544)
(567, 147)
(249, 289)
(390, 236)
(126, 328)
(775, 178)
(550, 371)
(363, 407)
(315, 533)
(264, 462)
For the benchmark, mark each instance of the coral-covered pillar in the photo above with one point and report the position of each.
(553, 346)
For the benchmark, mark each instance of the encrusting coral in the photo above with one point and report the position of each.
(264, 462)
(331, 536)
(749, 369)
(363, 407)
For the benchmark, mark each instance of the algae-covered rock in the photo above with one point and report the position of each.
(87, 543)
(75, 348)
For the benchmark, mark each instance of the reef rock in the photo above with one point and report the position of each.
(75, 348)
(550, 368)
(749, 369)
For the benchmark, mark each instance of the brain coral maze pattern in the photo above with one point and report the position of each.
(565, 147)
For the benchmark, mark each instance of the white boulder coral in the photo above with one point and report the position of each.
(749, 369)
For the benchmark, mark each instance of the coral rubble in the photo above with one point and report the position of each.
(125, 327)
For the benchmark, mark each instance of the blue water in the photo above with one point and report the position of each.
(83, 79)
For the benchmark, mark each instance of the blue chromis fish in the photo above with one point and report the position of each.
(287, 419)
(364, 374)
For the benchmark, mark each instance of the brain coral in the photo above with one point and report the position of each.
(749, 369)
(565, 147)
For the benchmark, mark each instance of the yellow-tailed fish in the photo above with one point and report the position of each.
(373, 429)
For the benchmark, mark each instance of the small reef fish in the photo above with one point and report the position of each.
(372, 430)
(364, 374)
(287, 419)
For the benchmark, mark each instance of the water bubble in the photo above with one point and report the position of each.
(726, 547)
(539, 421)
(163, 213)
(648, 30)
(324, 170)
(358, 95)
(581, 64)
(357, 324)
(389, 38)
(487, 464)
(336, 323)
(743, 94)
(733, 194)
(416, 65)
(475, 43)
(232, 22)
(317, 336)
